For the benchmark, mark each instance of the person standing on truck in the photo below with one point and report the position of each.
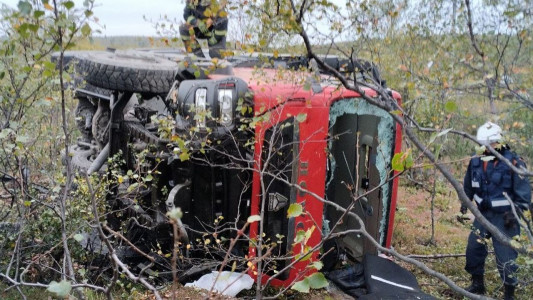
(204, 19)
(487, 181)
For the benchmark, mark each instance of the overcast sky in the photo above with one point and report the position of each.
(125, 17)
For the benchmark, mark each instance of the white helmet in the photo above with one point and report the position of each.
(489, 133)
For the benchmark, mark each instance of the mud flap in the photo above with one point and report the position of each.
(386, 280)
(350, 280)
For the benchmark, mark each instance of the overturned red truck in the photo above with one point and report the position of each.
(248, 136)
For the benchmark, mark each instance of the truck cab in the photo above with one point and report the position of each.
(290, 155)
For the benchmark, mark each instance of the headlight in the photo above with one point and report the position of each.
(200, 105)
(225, 104)
(211, 106)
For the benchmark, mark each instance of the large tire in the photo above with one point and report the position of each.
(129, 71)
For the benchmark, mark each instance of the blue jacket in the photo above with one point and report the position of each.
(486, 187)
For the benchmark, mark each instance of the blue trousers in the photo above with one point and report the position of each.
(476, 250)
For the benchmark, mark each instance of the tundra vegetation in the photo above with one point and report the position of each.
(456, 64)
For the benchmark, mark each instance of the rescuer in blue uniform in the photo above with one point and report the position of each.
(486, 181)
(204, 19)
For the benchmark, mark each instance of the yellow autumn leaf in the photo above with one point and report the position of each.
(48, 6)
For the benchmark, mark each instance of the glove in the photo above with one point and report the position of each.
(484, 205)
(509, 220)
(463, 209)
(203, 27)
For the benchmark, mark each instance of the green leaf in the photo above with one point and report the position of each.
(148, 178)
(480, 149)
(22, 139)
(254, 218)
(33, 27)
(488, 158)
(409, 161)
(49, 65)
(38, 13)
(24, 7)
(301, 286)
(450, 106)
(175, 214)
(4, 133)
(184, 156)
(439, 134)
(511, 13)
(301, 117)
(47, 73)
(433, 137)
(300, 236)
(86, 29)
(308, 233)
(294, 210)
(402, 160)
(317, 265)
(317, 281)
(397, 162)
(314, 281)
(78, 237)
(68, 4)
(60, 289)
(516, 244)
(437, 150)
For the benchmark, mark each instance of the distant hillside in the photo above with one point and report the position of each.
(117, 42)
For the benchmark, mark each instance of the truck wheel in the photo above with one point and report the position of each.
(129, 71)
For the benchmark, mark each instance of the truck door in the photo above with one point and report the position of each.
(360, 147)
